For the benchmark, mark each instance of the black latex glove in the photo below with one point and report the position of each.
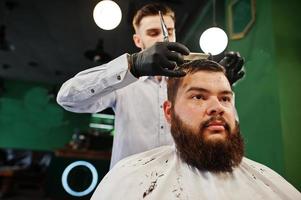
(233, 64)
(159, 60)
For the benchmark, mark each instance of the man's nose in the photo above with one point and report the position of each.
(215, 107)
(159, 39)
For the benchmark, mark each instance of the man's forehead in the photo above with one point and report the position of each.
(208, 80)
(151, 22)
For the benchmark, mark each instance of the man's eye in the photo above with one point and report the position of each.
(198, 97)
(153, 33)
(226, 99)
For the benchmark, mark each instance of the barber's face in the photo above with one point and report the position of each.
(149, 32)
(203, 122)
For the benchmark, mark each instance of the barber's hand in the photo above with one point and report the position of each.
(233, 64)
(159, 60)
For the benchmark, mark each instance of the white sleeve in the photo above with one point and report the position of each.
(94, 89)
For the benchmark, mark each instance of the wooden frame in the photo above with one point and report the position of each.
(242, 34)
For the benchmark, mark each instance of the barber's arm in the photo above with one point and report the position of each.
(94, 89)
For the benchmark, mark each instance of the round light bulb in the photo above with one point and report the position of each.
(107, 14)
(214, 40)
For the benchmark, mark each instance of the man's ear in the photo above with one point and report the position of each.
(137, 41)
(167, 110)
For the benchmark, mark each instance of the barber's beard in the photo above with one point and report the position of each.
(220, 155)
(143, 45)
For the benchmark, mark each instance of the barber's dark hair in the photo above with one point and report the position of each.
(152, 9)
(192, 67)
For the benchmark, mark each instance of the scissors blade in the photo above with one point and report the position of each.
(164, 28)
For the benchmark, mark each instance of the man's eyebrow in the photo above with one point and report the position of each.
(227, 92)
(158, 29)
(153, 29)
(200, 89)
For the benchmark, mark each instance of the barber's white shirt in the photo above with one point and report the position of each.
(161, 174)
(139, 121)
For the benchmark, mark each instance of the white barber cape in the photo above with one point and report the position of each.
(159, 174)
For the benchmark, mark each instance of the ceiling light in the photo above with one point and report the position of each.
(214, 40)
(107, 14)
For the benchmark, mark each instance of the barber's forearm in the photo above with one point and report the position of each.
(93, 104)
(83, 92)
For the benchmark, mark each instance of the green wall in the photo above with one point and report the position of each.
(257, 96)
(31, 119)
(269, 98)
(286, 21)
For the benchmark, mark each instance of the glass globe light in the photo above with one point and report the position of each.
(107, 14)
(213, 40)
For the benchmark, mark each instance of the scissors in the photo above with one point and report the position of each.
(192, 55)
(164, 28)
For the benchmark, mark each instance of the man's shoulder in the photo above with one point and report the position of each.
(132, 173)
(144, 158)
(139, 165)
(261, 168)
(271, 178)
(255, 165)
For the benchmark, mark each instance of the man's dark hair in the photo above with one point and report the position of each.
(152, 9)
(192, 67)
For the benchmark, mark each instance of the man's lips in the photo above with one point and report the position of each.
(216, 126)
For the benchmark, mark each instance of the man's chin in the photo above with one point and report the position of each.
(214, 136)
(213, 147)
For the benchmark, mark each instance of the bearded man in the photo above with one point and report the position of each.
(207, 160)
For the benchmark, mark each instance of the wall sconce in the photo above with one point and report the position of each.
(98, 54)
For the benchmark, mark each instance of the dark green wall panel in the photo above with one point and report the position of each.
(257, 95)
(31, 119)
(286, 16)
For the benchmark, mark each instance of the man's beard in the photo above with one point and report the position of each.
(220, 155)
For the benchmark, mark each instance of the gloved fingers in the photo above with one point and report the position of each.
(165, 63)
(173, 73)
(178, 47)
(231, 62)
(225, 61)
(239, 64)
(240, 75)
(230, 59)
(174, 56)
(210, 57)
(232, 54)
